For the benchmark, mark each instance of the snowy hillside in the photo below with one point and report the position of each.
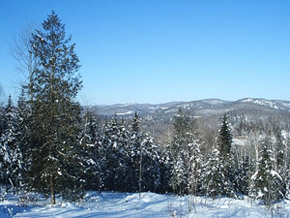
(203, 107)
(275, 104)
(122, 205)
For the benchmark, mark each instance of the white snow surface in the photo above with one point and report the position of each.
(262, 102)
(240, 141)
(125, 113)
(129, 205)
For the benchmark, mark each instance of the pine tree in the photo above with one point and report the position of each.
(178, 179)
(25, 135)
(91, 152)
(115, 156)
(225, 138)
(8, 139)
(242, 176)
(134, 171)
(287, 184)
(166, 166)
(213, 178)
(186, 155)
(195, 163)
(266, 183)
(280, 152)
(220, 180)
(180, 152)
(124, 152)
(20, 146)
(10, 150)
(55, 116)
(1, 119)
(149, 165)
(136, 124)
(181, 126)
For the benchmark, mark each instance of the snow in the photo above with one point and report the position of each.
(213, 101)
(121, 205)
(262, 102)
(275, 174)
(253, 177)
(158, 108)
(240, 141)
(125, 113)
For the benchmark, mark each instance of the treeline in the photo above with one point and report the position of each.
(49, 144)
(258, 168)
(111, 157)
(119, 156)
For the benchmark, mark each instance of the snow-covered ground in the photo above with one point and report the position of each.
(122, 205)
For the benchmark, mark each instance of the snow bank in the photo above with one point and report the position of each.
(123, 205)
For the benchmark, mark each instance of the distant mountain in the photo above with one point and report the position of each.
(244, 113)
(206, 107)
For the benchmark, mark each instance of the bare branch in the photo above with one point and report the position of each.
(20, 50)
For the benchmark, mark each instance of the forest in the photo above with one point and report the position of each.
(51, 144)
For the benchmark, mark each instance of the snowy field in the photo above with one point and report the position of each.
(122, 205)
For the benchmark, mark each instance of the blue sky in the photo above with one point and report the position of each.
(155, 51)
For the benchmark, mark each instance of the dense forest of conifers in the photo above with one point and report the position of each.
(49, 144)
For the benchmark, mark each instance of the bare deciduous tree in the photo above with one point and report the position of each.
(21, 51)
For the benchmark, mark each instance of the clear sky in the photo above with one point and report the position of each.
(156, 51)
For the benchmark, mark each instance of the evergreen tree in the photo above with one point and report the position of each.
(181, 125)
(220, 180)
(180, 152)
(280, 152)
(136, 124)
(225, 138)
(242, 176)
(10, 150)
(125, 151)
(287, 184)
(54, 122)
(8, 140)
(134, 174)
(166, 167)
(230, 165)
(91, 152)
(195, 163)
(1, 119)
(178, 179)
(115, 156)
(213, 178)
(266, 183)
(20, 146)
(149, 165)
(186, 155)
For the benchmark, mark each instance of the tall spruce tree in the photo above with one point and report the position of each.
(55, 116)
(225, 138)
(220, 180)
(266, 183)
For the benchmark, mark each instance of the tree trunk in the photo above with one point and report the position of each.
(140, 174)
(52, 193)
